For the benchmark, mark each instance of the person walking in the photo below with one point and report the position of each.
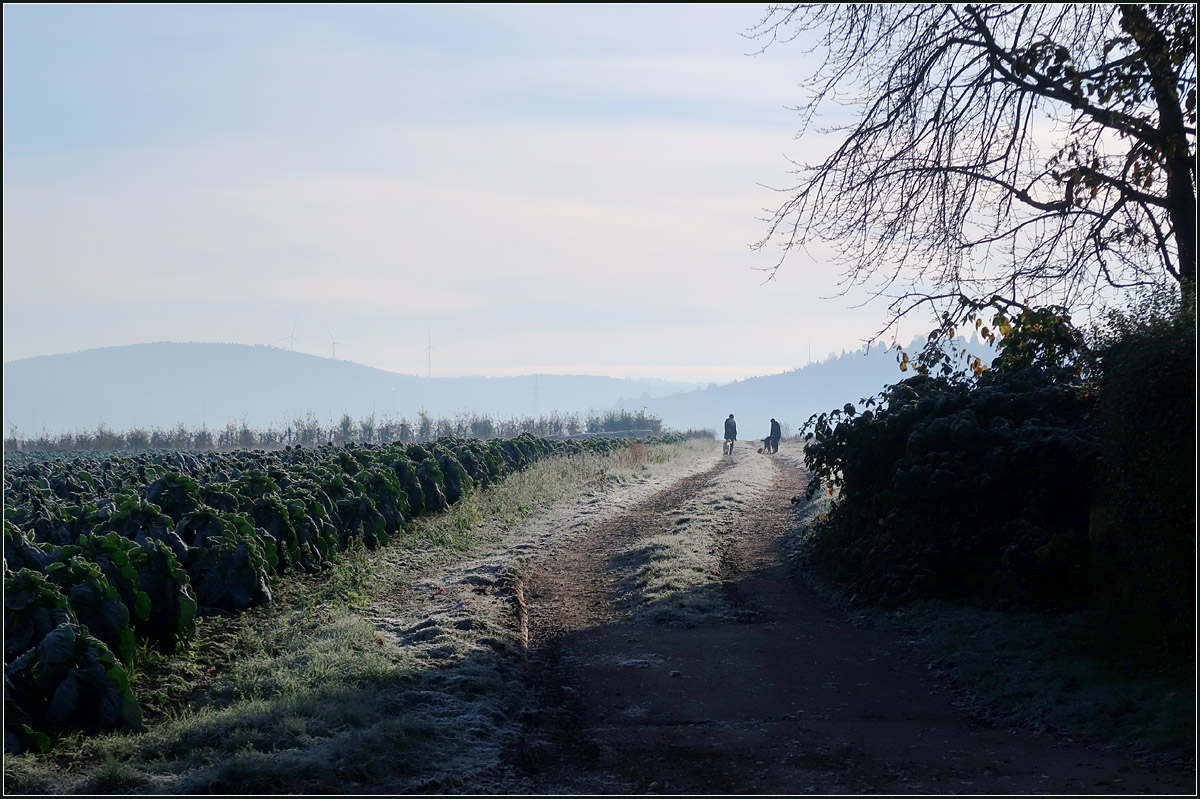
(776, 434)
(730, 436)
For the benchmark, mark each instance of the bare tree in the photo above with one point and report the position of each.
(1045, 152)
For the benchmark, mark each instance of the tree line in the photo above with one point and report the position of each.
(309, 431)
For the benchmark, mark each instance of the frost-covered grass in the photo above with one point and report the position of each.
(680, 580)
(316, 699)
(680, 576)
(487, 514)
(400, 670)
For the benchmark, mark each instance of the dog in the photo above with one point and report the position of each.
(766, 448)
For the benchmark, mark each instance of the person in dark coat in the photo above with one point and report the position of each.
(776, 434)
(730, 435)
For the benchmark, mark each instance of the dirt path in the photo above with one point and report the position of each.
(775, 693)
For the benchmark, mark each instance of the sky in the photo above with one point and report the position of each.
(428, 189)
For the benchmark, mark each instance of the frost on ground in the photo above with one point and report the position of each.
(458, 627)
(423, 687)
(462, 621)
(682, 570)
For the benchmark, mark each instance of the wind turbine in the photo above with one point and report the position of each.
(429, 356)
(333, 345)
(290, 339)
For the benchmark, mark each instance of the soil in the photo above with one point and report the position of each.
(782, 696)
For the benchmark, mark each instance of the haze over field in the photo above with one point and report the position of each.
(206, 386)
(426, 189)
(161, 385)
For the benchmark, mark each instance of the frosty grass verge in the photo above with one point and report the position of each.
(438, 704)
(459, 615)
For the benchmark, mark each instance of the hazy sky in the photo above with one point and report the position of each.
(554, 188)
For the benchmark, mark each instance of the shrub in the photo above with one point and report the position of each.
(1144, 529)
(947, 489)
(969, 483)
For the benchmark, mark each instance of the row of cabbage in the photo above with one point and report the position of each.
(104, 553)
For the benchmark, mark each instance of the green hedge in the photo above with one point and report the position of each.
(972, 492)
(1144, 527)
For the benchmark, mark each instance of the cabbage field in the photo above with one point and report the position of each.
(106, 554)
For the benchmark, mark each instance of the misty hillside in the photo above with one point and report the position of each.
(791, 397)
(158, 386)
(208, 385)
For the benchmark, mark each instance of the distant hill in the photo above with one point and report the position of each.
(791, 397)
(161, 385)
(158, 386)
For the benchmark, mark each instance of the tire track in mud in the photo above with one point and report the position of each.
(586, 584)
(743, 555)
(589, 582)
